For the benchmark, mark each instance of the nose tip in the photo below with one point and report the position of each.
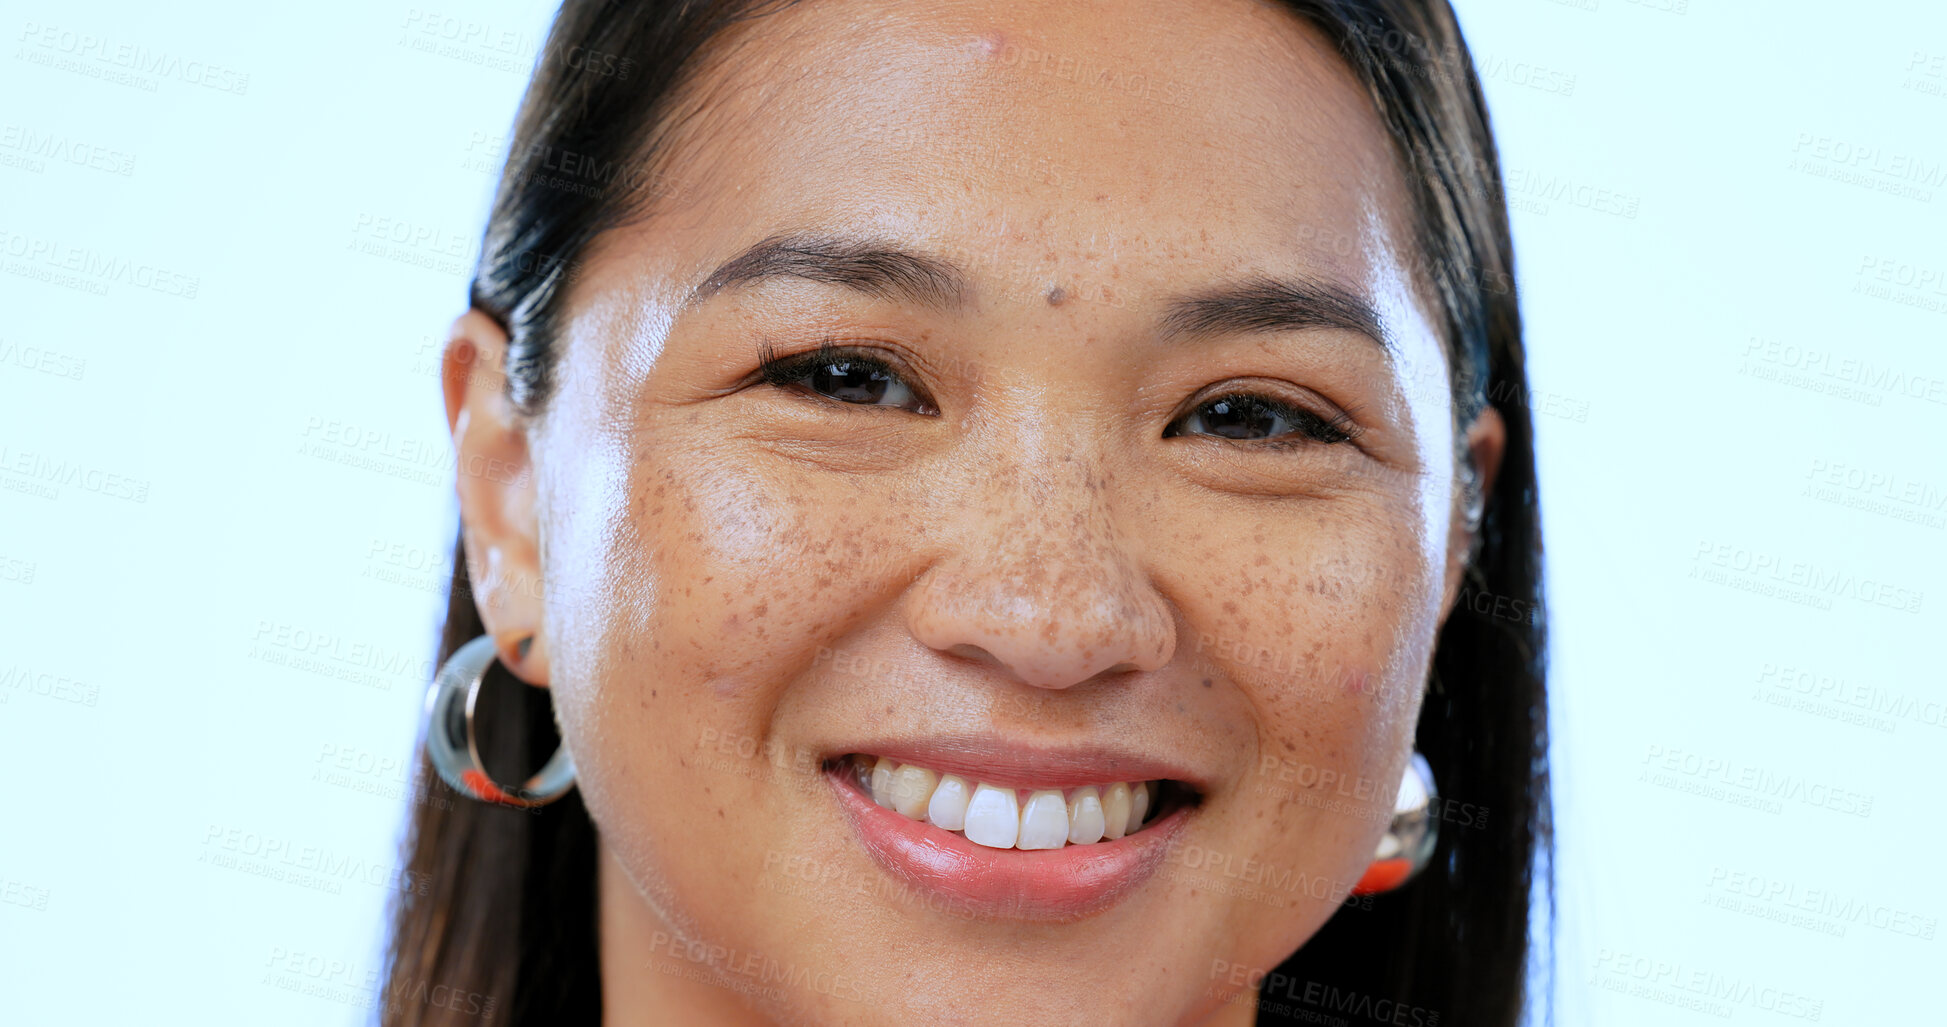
(1040, 673)
(1054, 639)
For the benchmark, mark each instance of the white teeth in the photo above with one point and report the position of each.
(1044, 821)
(993, 817)
(882, 781)
(996, 817)
(948, 809)
(912, 786)
(1085, 817)
(1115, 810)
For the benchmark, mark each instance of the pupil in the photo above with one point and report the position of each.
(842, 381)
(1238, 419)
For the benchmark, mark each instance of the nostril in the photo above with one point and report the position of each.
(968, 651)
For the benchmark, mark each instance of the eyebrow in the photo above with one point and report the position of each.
(1262, 304)
(882, 271)
(1259, 304)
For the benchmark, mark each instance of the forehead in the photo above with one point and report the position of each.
(1143, 139)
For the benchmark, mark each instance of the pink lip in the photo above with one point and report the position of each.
(1068, 883)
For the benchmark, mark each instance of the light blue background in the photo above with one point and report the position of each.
(1703, 196)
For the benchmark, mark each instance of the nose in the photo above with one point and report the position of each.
(1040, 581)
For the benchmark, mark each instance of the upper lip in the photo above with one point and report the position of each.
(1003, 763)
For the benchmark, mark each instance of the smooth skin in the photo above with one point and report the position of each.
(726, 581)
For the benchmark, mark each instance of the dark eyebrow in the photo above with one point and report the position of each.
(876, 269)
(1258, 304)
(1264, 304)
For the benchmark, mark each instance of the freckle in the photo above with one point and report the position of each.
(1230, 607)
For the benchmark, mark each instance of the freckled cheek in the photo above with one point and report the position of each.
(1328, 643)
(752, 569)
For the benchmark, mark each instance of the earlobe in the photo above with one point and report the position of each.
(494, 478)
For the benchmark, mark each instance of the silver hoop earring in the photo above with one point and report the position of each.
(1407, 846)
(450, 739)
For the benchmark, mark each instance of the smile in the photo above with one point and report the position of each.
(1007, 818)
(1012, 833)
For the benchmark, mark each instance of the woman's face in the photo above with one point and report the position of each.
(1153, 482)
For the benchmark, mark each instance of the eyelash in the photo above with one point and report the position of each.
(787, 372)
(1310, 429)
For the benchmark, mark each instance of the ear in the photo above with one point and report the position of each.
(1487, 439)
(495, 479)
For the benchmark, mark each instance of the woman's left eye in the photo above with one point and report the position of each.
(1248, 416)
(846, 375)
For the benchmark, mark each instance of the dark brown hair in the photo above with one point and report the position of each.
(509, 914)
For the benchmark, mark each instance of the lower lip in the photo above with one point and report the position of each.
(1068, 883)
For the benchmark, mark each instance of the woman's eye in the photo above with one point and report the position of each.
(845, 376)
(1251, 417)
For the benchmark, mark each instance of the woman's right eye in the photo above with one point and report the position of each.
(847, 375)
